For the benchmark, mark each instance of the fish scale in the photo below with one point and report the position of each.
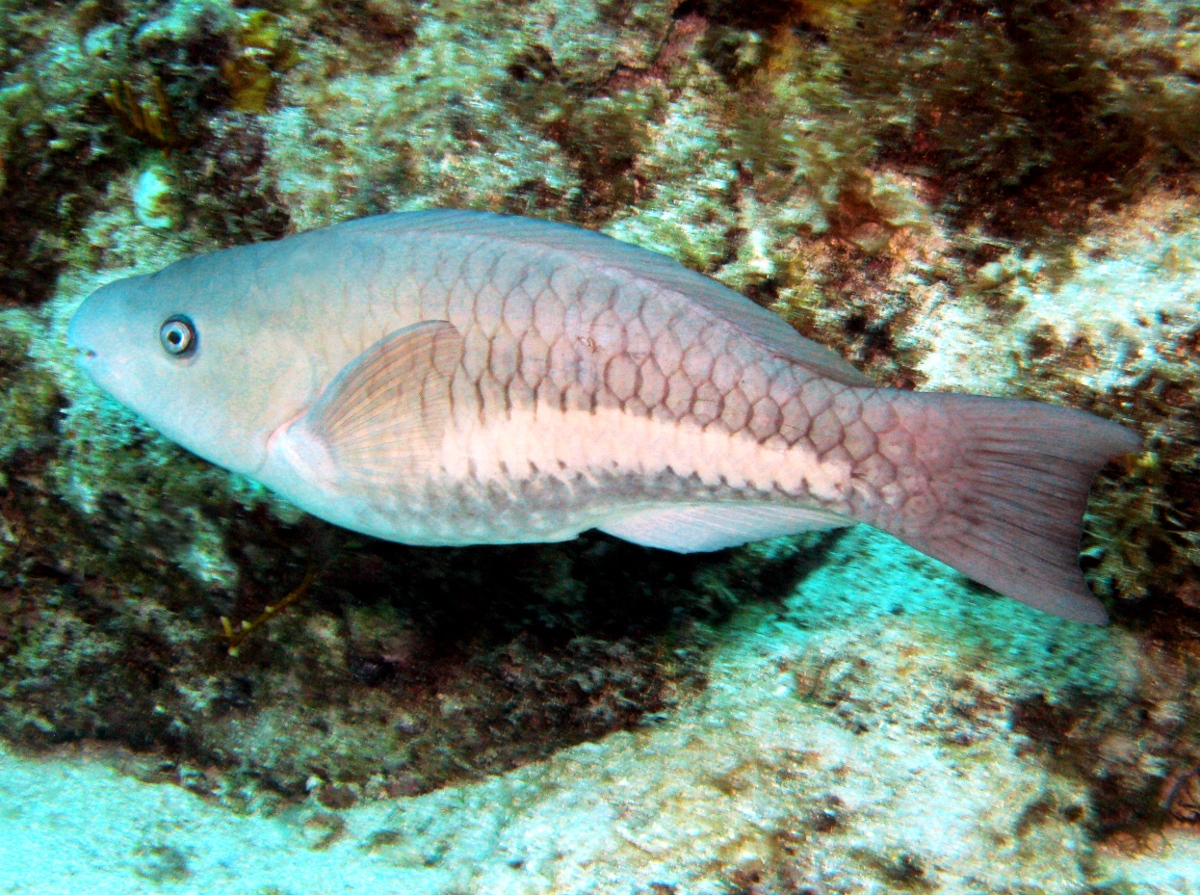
(817, 421)
(461, 378)
(593, 363)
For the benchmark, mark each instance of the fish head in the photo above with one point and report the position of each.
(202, 351)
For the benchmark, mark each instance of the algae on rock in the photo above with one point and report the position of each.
(971, 196)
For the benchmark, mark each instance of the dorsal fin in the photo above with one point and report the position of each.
(667, 274)
(384, 415)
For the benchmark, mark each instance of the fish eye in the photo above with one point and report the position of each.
(178, 336)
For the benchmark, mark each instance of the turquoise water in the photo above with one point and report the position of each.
(204, 690)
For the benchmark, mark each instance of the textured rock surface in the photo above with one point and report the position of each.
(853, 738)
(994, 197)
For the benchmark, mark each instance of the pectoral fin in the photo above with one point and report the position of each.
(384, 415)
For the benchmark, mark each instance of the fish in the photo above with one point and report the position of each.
(454, 377)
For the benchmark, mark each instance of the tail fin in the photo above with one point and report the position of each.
(1007, 483)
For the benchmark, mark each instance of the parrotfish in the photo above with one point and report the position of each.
(457, 377)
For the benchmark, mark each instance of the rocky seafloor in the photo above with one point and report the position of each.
(993, 197)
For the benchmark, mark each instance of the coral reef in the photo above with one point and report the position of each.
(998, 197)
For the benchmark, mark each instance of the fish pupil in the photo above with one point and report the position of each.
(178, 336)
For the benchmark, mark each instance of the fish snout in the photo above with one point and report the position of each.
(77, 333)
(89, 327)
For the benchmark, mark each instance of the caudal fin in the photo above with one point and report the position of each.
(1005, 487)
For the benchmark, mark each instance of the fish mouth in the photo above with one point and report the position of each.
(83, 343)
(83, 330)
(74, 340)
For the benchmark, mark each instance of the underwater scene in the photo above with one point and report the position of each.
(646, 447)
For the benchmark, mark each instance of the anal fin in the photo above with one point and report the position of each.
(706, 527)
(383, 417)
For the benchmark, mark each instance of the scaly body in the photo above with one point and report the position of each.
(583, 393)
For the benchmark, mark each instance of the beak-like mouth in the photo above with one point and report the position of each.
(76, 345)
(97, 338)
(77, 332)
